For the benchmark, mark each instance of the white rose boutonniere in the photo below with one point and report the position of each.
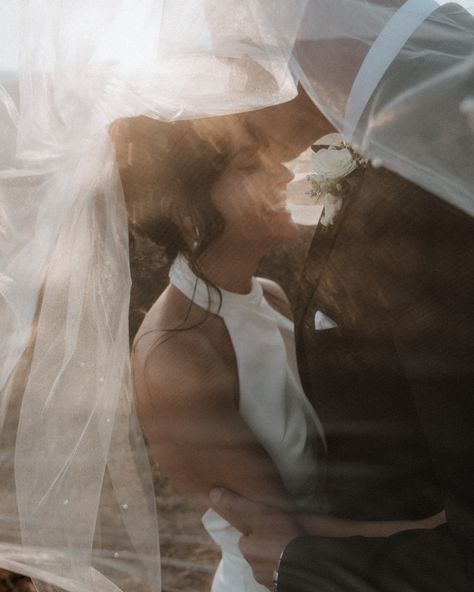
(336, 173)
(331, 164)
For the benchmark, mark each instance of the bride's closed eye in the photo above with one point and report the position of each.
(246, 159)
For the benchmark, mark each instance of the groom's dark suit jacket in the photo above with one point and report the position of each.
(393, 385)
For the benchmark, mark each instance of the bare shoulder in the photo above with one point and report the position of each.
(276, 297)
(182, 362)
(186, 384)
(181, 357)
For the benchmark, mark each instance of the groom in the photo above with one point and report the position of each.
(393, 383)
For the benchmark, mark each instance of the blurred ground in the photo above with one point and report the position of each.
(189, 556)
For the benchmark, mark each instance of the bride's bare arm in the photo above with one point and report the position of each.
(330, 526)
(187, 408)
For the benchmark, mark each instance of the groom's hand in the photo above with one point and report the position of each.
(265, 531)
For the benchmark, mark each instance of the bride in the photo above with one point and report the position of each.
(216, 382)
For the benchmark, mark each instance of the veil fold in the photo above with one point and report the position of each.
(77, 507)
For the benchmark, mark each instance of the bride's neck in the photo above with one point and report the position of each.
(230, 268)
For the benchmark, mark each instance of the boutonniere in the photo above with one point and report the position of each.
(337, 172)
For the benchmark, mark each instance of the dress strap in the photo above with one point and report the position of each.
(214, 299)
(193, 287)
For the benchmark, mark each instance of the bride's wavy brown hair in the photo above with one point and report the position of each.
(167, 171)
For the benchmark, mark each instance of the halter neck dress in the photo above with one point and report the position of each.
(271, 402)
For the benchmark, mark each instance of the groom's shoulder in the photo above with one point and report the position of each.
(449, 25)
(443, 40)
(457, 12)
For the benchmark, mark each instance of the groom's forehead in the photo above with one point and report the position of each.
(287, 130)
(262, 134)
(284, 130)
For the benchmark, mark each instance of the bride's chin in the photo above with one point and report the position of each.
(270, 230)
(284, 229)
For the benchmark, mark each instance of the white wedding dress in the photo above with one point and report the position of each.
(272, 403)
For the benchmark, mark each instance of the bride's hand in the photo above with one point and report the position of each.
(399, 525)
(432, 521)
(331, 526)
(389, 528)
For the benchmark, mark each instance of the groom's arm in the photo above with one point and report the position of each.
(421, 561)
(437, 560)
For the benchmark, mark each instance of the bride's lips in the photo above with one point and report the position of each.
(278, 205)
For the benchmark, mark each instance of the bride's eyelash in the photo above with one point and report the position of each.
(248, 167)
(247, 162)
(247, 158)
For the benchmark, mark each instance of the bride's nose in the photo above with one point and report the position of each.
(288, 174)
(285, 175)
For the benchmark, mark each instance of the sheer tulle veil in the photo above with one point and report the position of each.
(77, 508)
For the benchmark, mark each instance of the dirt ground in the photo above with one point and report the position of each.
(189, 556)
